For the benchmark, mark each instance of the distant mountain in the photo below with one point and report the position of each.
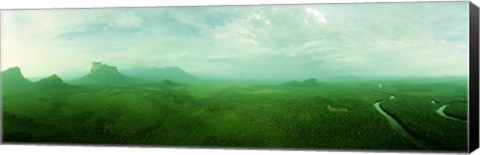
(52, 85)
(103, 74)
(307, 83)
(159, 73)
(13, 80)
(51, 82)
(166, 83)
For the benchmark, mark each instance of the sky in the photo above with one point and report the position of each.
(244, 42)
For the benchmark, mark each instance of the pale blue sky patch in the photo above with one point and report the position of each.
(245, 42)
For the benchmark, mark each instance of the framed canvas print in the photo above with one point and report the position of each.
(355, 76)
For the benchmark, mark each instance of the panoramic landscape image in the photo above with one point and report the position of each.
(371, 76)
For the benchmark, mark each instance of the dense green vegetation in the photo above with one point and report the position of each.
(458, 110)
(415, 111)
(308, 114)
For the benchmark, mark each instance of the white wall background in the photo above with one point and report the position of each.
(82, 150)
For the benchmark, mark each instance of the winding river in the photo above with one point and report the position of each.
(441, 112)
(399, 128)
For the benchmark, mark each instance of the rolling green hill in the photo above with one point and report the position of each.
(53, 86)
(52, 81)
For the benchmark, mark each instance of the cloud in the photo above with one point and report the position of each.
(317, 15)
(300, 41)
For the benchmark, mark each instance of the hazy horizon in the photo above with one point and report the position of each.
(244, 42)
(79, 74)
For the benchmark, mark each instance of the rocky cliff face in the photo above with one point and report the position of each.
(103, 74)
(13, 80)
(99, 68)
(13, 73)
